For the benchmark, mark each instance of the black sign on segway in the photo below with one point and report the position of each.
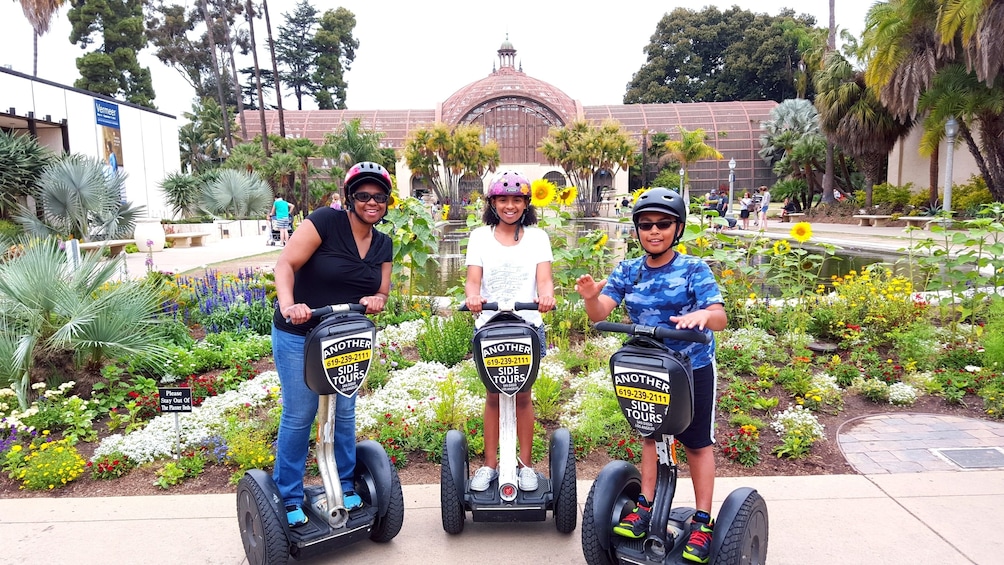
(508, 363)
(346, 361)
(644, 397)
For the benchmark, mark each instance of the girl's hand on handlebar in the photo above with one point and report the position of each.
(374, 304)
(474, 303)
(545, 303)
(296, 313)
(588, 288)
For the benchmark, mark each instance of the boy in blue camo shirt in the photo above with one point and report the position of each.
(669, 289)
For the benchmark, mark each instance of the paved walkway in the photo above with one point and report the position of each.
(930, 490)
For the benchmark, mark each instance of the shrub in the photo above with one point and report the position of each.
(446, 340)
(743, 446)
(902, 394)
(625, 449)
(799, 430)
(111, 466)
(875, 390)
(48, 464)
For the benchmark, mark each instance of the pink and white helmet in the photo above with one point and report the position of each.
(509, 182)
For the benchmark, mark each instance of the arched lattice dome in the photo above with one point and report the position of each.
(507, 82)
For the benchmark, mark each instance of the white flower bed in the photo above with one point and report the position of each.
(158, 439)
(413, 394)
(798, 418)
(902, 394)
(403, 334)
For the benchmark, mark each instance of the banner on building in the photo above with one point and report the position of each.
(107, 116)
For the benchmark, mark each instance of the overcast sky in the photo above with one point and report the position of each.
(414, 55)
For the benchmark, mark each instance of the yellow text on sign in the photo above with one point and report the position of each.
(346, 358)
(507, 361)
(642, 394)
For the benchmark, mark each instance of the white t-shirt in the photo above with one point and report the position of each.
(509, 273)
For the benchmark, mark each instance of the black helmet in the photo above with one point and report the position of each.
(664, 200)
(366, 171)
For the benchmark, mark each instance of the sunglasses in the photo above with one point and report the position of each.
(661, 224)
(379, 197)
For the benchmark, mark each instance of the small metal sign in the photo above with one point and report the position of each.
(175, 399)
(346, 360)
(644, 397)
(508, 363)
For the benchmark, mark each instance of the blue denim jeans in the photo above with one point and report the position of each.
(299, 407)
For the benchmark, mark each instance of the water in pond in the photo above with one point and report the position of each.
(450, 271)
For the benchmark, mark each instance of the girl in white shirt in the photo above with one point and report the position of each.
(509, 261)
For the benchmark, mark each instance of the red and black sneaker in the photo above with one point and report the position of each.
(635, 524)
(698, 548)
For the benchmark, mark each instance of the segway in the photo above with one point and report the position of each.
(507, 355)
(654, 386)
(337, 358)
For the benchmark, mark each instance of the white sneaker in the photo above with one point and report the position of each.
(527, 479)
(483, 478)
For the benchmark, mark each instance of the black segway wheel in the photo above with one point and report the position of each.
(449, 496)
(591, 549)
(389, 525)
(264, 539)
(745, 541)
(566, 506)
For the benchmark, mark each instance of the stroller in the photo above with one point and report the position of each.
(273, 232)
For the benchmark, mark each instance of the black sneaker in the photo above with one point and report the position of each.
(698, 548)
(635, 524)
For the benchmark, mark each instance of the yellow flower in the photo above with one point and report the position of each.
(702, 242)
(727, 273)
(782, 247)
(681, 248)
(637, 194)
(568, 195)
(393, 202)
(801, 232)
(446, 211)
(542, 192)
(599, 244)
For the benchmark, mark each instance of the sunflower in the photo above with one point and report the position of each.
(681, 248)
(637, 194)
(567, 195)
(542, 192)
(782, 247)
(801, 232)
(602, 241)
(393, 202)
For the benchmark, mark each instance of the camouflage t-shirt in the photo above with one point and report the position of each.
(679, 287)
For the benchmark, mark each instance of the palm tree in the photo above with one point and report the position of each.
(793, 145)
(303, 149)
(281, 169)
(39, 14)
(853, 118)
(249, 13)
(81, 199)
(275, 70)
(247, 156)
(689, 149)
(210, 24)
(351, 144)
(237, 194)
(24, 159)
(183, 192)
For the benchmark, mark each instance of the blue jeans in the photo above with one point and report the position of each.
(299, 407)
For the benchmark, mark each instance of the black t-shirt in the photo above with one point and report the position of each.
(335, 274)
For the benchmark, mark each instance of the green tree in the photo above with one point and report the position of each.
(793, 144)
(336, 49)
(852, 117)
(183, 193)
(712, 56)
(583, 150)
(295, 49)
(351, 144)
(39, 14)
(443, 155)
(237, 194)
(304, 150)
(115, 27)
(689, 149)
(24, 159)
(80, 198)
(201, 139)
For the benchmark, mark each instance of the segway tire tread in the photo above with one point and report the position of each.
(591, 549)
(449, 498)
(389, 525)
(566, 507)
(275, 544)
(745, 541)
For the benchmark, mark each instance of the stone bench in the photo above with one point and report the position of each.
(187, 239)
(785, 218)
(917, 221)
(114, 246)
(877, 220)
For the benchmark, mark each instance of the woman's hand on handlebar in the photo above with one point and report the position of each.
(296, 313)
(545, 303)
(374, 304)
(474, 303)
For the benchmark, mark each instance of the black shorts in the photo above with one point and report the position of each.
(701, 432)
(744, 214)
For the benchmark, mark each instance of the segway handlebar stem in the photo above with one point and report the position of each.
(653, 331)
(496, 306)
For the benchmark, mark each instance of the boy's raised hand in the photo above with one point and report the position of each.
(588, 288)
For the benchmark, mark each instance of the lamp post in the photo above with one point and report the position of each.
(951, 130)
(686, 197)
(732, 184)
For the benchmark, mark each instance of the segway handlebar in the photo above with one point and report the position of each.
(325, 310)
(653, 331)
(495, 306)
